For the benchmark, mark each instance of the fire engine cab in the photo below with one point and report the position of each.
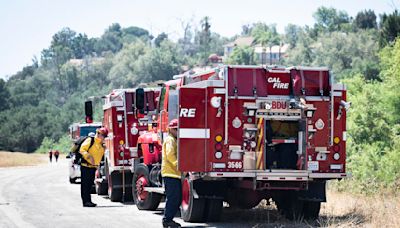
(248, 133)
(121, 117)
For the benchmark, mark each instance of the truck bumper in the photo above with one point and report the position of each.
(279, 175)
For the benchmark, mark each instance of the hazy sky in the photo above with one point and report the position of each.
(27, 25)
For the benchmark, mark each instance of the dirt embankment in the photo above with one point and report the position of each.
(11, 159)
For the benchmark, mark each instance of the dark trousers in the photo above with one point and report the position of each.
(87, 181)
(173, 192)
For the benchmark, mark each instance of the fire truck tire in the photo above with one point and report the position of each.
(101, 188)
(114, 194)
(290, 206)
(144, 200)
(213, 210)
(192, 209)
(311, 209)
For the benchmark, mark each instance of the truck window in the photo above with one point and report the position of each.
(173, 105)
(161, 101)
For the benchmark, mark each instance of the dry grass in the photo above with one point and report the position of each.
(11, 159)
(341, 210)
(349, 210)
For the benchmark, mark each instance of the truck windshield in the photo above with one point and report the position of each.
(87, 129)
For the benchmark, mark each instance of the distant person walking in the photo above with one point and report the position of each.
(50, 155)
(56, 154)
(91, 157)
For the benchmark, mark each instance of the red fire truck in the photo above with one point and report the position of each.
(121, 117)
(77, 130)
(248, 133)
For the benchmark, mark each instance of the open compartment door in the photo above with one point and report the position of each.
(193, 131)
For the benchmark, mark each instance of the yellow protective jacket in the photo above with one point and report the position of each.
(169, 165)
(96, 150)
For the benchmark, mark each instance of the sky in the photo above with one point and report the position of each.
(27, 26)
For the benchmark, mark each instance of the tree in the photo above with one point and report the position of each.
(292, 34)
(246, 30)
(82, 46)
(265, 35)
(203, 38)
(124, 72)
(356, 52)
(132, 33)
(389, 28)
(242, 56)
(390, 73)
(4, 95)
(111, 40)
(365, 20)
(61, 48)
(159, 63)
(160, 38)
(303, 53)
(329, 19)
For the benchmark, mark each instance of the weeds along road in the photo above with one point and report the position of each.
(41, 196)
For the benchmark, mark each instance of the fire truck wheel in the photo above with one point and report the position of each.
(101, 188)
(144, 200)
(311, 209)
(213, 210)
(290, 206)
(192, 210)
(115, 195)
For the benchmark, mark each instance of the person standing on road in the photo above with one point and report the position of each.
(50, 155)
(171, 176)
(56, 154)
(91, 157)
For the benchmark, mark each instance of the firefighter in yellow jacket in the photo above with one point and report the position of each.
(91, 157)
(171, 176)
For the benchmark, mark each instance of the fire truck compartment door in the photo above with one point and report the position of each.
(193, 131)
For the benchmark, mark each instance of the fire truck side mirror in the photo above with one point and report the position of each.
(88, 112)
(139, 99)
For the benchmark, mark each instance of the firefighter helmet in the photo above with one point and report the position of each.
(173, 123)
(102, 131)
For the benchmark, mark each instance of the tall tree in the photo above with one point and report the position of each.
(160, 38)
(61, 48)
(266, 36)
(329, 19)
(389, 27)
(365, 20)
(111, 40)
(292, 34)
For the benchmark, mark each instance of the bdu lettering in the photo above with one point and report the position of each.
(187, 112)
(278, 105)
